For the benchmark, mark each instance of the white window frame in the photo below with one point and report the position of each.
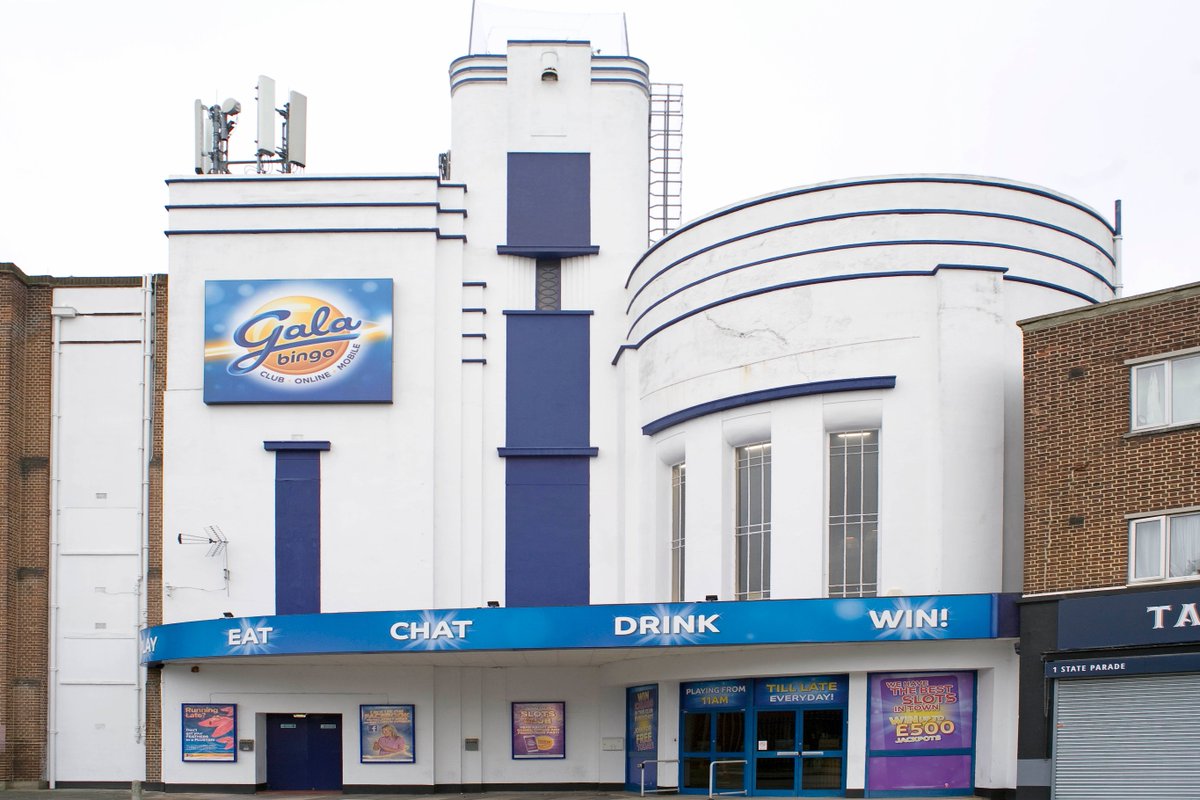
(1164, 547)
(762, 529)
(678, 531)
(1168, 364)
(863, 518)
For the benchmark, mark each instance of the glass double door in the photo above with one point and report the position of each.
(800, 751)
(773, 752)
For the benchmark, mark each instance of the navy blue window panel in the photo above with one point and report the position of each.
(548, 380)
(549, 199)
(546, 517)
(546, 521)
(297, 531)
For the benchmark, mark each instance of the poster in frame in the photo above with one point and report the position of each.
(209, 732)
(539, 730)
(387, 734)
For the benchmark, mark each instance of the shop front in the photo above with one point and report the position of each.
(864, 697)
(1120, 679)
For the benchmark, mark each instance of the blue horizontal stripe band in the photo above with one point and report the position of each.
(767, 395)
(547, 250)
(1055, 286)
(621, 58)
(253, 231)
(477, 55)
(911, 273)
(295, 445)
(868, 182)
(306, 178)
(596, 69)
(457, 84)
(474, 361)
(455, 73)
(475, 310)
(474, 336)
(555, 312)
(547, 452)
(854, 215)
(207, 206)
(857, 245)
(475, 283)
(644, 86)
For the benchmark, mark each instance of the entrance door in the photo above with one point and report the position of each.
(800, 751)
(710, 736)
(304, 751)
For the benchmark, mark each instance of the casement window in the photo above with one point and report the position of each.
(1164, 548)
(678, 530)
(1165, 392)
(752, 531)
(854, 514)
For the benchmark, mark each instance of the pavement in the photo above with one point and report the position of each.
(124, 794)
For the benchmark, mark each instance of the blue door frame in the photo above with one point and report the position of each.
(804, 721)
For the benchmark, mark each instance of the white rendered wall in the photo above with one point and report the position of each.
(920, 277)
(96, 723)
(575, 114)
(388, 482)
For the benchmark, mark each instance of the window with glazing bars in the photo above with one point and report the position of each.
(753, 529)
(678, 529)
(854, 514)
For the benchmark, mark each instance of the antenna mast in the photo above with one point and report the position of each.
(214, 124)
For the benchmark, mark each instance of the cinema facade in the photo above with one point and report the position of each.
(463, 488)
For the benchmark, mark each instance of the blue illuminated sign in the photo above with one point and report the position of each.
(1168, 616)
(298, 341)
(704, 695)
(818, 690)
(555, 628)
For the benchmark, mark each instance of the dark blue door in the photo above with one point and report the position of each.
(304, 751)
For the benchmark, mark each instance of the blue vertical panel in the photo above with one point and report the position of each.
(297, 526)
(548, 379)
(546, 492)
(549, 199)
(546, 519)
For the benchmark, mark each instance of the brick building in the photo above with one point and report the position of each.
(1110, 636)
(80, 519)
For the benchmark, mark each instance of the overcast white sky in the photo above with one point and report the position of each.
(1096, 99)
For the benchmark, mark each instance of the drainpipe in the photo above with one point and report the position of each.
(145, 454)
(58, 313)
(1119, 287)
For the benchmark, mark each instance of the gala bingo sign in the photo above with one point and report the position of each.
(298, 341)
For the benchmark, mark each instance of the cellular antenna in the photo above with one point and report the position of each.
(266, 117)
(213, 125)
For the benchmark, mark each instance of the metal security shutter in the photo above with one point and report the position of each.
(1127, 738)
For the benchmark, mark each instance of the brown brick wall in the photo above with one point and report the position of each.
(25, 359)
(153, 733)
(1083, 473)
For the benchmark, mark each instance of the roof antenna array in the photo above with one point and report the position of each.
(215, 123)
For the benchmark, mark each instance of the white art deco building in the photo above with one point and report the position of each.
(511, 500)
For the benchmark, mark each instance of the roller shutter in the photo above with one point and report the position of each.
(1127, 738)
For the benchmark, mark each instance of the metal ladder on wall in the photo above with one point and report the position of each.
(666, 159)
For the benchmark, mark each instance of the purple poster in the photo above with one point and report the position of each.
(539, 730)
(922, 731)
(209, 732)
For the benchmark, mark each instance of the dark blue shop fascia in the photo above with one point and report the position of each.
(549, 205)
(297, 525)
(547, 450)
